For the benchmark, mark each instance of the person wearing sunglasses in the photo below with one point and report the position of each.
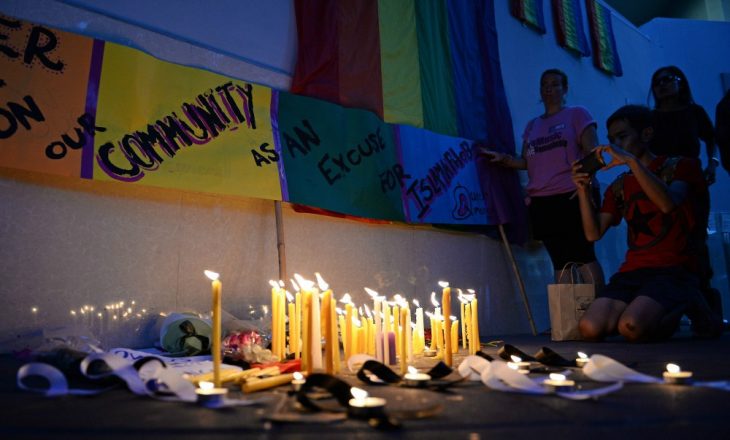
(679, 126)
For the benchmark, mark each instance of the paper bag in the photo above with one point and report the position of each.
(567, 304)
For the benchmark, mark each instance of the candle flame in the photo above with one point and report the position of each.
(265, 309)
(274, 284)
(294, 284)
(412, 370)
(358, 393)
(205, 385)
(452, 317)
(34, 309)
(298, 375)
(281, 284)
(304, 283)
(415, 301)
(359, 310)
(444, 284)
(516, 359)
(429, 314)
(673, 368)
(321, 282)
(355, 322)
(472, 291)
(557, 377)
(582, 355)
(346, 299)
(339, 311)
(512, 365)
(433, 299)
(289, 296)
(367, 311)
(208, 273)
(373, 294)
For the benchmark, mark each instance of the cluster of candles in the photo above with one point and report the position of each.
(387, 331)
(99, 321)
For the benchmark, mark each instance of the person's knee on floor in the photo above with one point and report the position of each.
(591, 330)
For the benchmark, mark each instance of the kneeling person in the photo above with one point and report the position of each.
(653, 287)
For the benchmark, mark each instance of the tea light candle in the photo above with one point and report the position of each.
(298, 381)
(519, 365)
(427, 352)
(209, 396)
(415, 379)
(557, 383)
(581, 360)
(675, 375)
(363, 406)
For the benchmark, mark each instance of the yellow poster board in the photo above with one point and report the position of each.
(178, 127)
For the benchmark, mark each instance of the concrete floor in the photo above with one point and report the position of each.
(469, 410)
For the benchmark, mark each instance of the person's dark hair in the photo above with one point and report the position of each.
(685, 94)
(563, 76)
(637, 116)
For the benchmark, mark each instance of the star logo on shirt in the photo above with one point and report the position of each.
(639, 223)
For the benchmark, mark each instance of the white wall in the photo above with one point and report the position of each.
(68, 242)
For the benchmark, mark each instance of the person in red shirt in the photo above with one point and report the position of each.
(657, 197)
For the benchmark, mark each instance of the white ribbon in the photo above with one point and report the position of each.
(604, 369)
(497, 375)
(153, 379)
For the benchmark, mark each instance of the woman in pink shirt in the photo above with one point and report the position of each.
(551, 143)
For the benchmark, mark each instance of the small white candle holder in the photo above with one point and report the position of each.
(298, 381)
(674, 375)
(362, 406)
(415, 379)
(209, 396)
(519, 365)
(581, 360)
(558, 383)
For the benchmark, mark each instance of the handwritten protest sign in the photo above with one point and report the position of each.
(43, 87)
(339, 159)
(178, 127)
(442, 184)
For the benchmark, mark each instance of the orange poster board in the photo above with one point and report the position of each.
(44, 75)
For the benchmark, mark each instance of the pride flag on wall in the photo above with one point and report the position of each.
(528, 12)
(429, 64)
(605, 55)
(568, 18)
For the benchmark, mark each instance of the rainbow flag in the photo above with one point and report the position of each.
(528, 12)
(429, 64)
(568, 19)
(605, 55)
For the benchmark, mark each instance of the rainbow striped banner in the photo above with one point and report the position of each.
(568, 18)
(528, 12)
(427, 64)
(605, 55)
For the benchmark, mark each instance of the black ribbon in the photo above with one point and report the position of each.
(189, 332)
(387, 376)
(545, 356)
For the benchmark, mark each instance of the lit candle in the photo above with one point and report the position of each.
(330, 341)
(558, 383)
(454, 335)
(462, 303)
(446, 304)
(364, 407)
(675, 375)
(403, 340)
(581, 360)
(307, 331)
(216, 336)
(396, 325)
(210, 396)
(418, 337)
(386, 331)
(391, 344)
(415, 379)
(519, 365)
(335, 340)
(297, 381)
(347, 341)
(475, 325)
(377, 311)
(293, 335)
(298, 315)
